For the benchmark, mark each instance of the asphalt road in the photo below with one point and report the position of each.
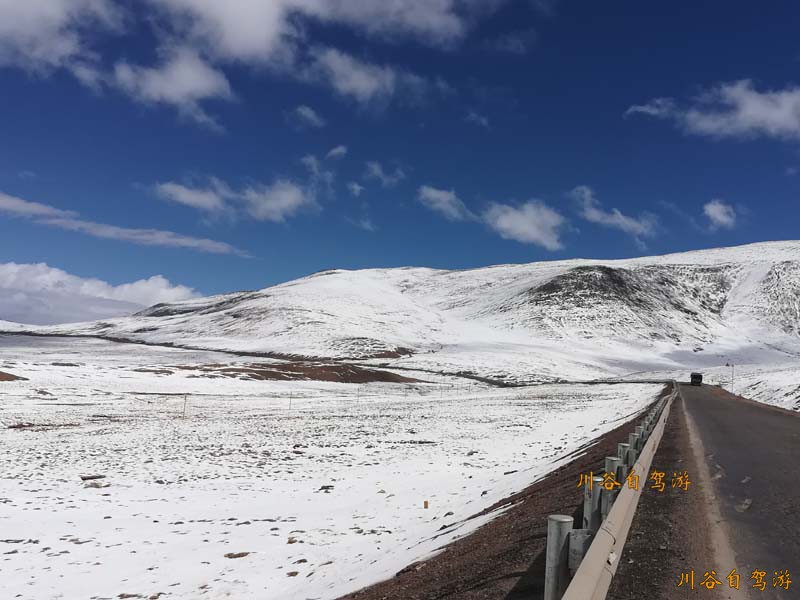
(753, 456)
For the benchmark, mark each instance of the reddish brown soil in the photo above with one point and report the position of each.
(505, 558)
(10, 377)
(291, 371)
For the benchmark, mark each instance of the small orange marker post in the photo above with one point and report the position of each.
(425, 504)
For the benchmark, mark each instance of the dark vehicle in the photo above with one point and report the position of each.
(697, 379)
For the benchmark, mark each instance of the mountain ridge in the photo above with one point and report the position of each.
(528, 321)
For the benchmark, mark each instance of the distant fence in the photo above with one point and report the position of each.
(580, 562)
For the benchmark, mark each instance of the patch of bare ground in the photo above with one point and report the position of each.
(9, 377)
(293, 371)
(504, 559)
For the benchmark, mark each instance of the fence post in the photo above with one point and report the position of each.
(556, 570)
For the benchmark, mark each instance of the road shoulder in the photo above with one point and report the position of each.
(673, 531)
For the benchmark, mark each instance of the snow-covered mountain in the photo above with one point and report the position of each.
(559, 319)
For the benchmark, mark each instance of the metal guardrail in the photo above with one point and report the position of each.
(591, 553)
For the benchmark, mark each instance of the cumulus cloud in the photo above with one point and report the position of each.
(337, 152)
(278, 201)
(591, 210)
(196, 39)
(42, 295)
(445, 202)
(44, 214)
(733, 110)
(183, 80)
(211, 199)
(531, 223)
(376, 171)
(274, 202)
(42, 35)
(477, 119)
(307, 116)
(352, 78)
(355, 188)
(720, 215)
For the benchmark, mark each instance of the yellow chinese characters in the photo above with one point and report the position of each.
(681, 480)
(781, 580)
(657, 477)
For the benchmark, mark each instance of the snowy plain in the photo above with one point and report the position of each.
(323, 484)
(317, 488)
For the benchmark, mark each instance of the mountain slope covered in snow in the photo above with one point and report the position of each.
(538, 321)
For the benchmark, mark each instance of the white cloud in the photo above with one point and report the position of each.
(262, 31)
(41, 35)
(349, 77)
(657, 107)
(278, 201)
(311, 163)
(591, 210)
(364, 223)
(337, 152)
(531, 223)
(143, 237)
(477, 119)
(23, 208)
(40, 294)
(274, 202)
(210, 199)
(305, 115)
(183, 80)
(355, 188)
(44, 214)
(196, 39)
(444, 202)
(375, 171)
(720, 215)
(733, 110)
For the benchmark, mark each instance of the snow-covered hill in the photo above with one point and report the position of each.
(538, 321)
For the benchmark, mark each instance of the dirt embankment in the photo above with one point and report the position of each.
(503, 560)
(9, 377)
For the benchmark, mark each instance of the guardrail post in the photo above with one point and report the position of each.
(556, 570)
(607, 498)
(622, 452)
(624, 465)
(633, 442)
(579, 542)
(639, 430)
(591, 504)
(612, 465)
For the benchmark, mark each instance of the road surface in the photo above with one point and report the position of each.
(752, 452)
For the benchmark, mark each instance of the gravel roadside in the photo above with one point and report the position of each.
(671, 531)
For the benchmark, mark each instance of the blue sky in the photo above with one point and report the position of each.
(227, 146)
